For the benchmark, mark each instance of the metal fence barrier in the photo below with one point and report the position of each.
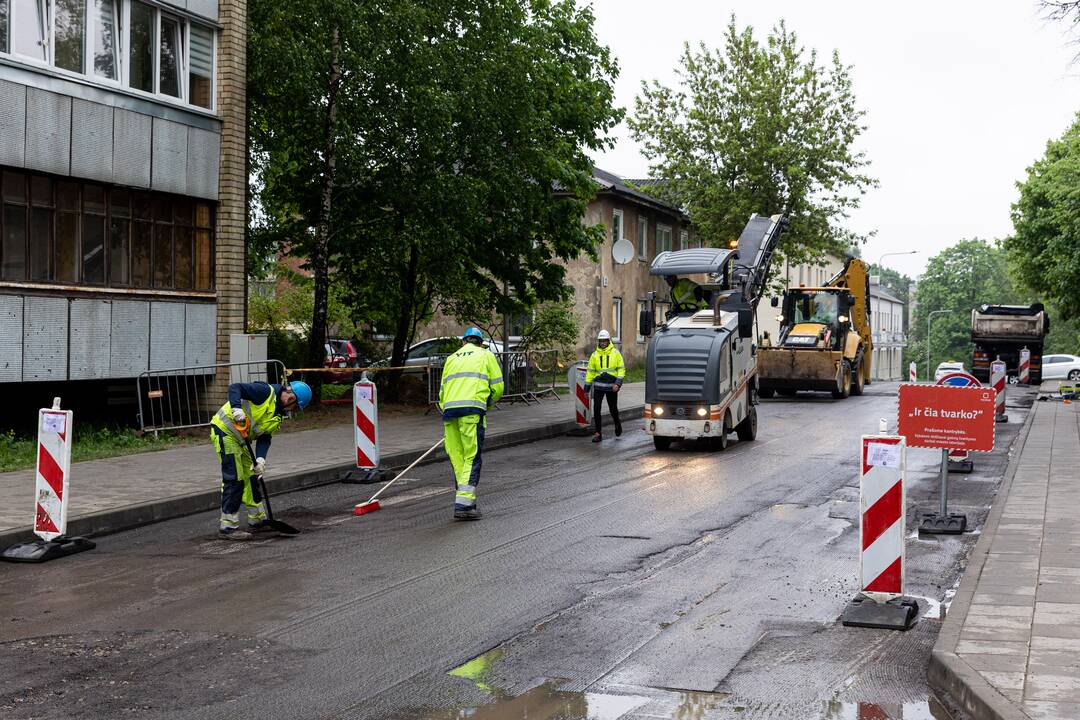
(528, 376)
(180, 398)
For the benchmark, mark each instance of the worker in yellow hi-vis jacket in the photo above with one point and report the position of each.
(471, 383)
(605, 378)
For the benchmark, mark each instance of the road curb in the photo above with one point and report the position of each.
(132, 516)
(948, 672)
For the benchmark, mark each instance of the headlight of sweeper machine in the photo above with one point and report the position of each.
(657, 410)
(702, 412)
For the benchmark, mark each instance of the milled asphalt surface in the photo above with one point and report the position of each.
(604, 581)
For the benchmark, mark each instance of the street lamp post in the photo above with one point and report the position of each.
(882, 267)
(928, 317)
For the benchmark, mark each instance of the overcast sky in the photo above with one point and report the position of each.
(961, 96)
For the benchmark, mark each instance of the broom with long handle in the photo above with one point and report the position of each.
(373, 504)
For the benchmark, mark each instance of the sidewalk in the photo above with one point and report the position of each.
(117, 493)
(1010, 645)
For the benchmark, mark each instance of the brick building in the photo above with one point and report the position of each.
(122, 173)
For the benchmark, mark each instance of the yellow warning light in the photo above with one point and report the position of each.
(733, 244)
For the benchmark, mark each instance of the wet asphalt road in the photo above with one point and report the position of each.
(603, 582)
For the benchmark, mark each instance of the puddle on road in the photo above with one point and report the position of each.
(546, 702)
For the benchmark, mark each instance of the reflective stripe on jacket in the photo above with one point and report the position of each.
(471, 382)
(606, 368)
(684, 293)
(262, 418)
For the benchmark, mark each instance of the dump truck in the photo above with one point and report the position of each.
(825, 342)
(1002, 331)
(701, 365)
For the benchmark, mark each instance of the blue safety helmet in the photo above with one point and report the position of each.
(302, 391)
(473, 333)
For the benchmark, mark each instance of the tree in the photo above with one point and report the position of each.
(957, 280)
(758, 128)
(461, 138)
(1044, 251)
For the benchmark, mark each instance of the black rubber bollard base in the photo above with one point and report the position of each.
(961, 467)
(37, 551)
(580, 432)
(896, 614)
(364, 477)
(951, 524)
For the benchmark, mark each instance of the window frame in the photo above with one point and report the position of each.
(684, 240)
(122, 42)
(616, 318)
(642, 306)
(617, 215)
(642, 237)
(666, 246)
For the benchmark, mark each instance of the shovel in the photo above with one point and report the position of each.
(279, 526)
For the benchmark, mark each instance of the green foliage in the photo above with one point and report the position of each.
(91, 442)
(461, 143)
(553, 326)
(1045, 250)
(958, 279)
(760, 128)
(1064, 335)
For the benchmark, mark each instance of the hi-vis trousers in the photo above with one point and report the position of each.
(236, 485)
(465, 446)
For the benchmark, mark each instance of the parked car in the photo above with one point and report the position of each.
(334, 360)
(419, 354)
(1060, 367)
(345, 349)
(948, 367)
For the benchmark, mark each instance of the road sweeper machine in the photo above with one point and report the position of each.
(701, 364)
(825, 342)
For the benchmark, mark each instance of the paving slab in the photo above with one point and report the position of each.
(1010, 644)
(118, 493)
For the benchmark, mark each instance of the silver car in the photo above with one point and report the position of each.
(1060, 367)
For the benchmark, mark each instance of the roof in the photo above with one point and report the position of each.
(687, 262)
(615, 185)
(879, 291)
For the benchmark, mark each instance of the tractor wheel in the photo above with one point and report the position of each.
(747, 429)
(845, 382)
(857, 380)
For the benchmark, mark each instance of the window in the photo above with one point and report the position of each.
(642, 307)
(106, 49)
(684, 240)
(616, 225)
(27, 23)
(663, 238)
(115, 41)
(662, 309)
(642, 237)
(616, 320)
(84, 233)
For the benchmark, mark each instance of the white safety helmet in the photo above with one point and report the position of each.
(603, 335)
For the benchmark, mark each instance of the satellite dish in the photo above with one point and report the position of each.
(622, 251)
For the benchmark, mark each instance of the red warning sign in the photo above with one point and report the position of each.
(942, 416)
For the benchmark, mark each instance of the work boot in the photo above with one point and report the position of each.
(233, 534)
(597, 437)
(261, 526)
(618, 430)
(469, 514)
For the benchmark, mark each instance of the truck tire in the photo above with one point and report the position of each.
(857, 380)
(747, 429)
(845, 382)
(660, 442)
(766, 393)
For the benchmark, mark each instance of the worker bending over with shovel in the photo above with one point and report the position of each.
(471, 384)
(605, 377)
(254, 411)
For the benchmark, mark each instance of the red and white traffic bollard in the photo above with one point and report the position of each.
(997, 381)
(575, 379)
(365, 433)
(911, 371)
(51, 492)
(882, 517)
(1025, 366)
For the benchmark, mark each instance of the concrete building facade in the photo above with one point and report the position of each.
(123, 182)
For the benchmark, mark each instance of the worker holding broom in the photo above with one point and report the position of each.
(471, 384)
(254, 411)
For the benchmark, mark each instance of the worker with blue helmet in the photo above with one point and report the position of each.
(472, 383)
(254, 411)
